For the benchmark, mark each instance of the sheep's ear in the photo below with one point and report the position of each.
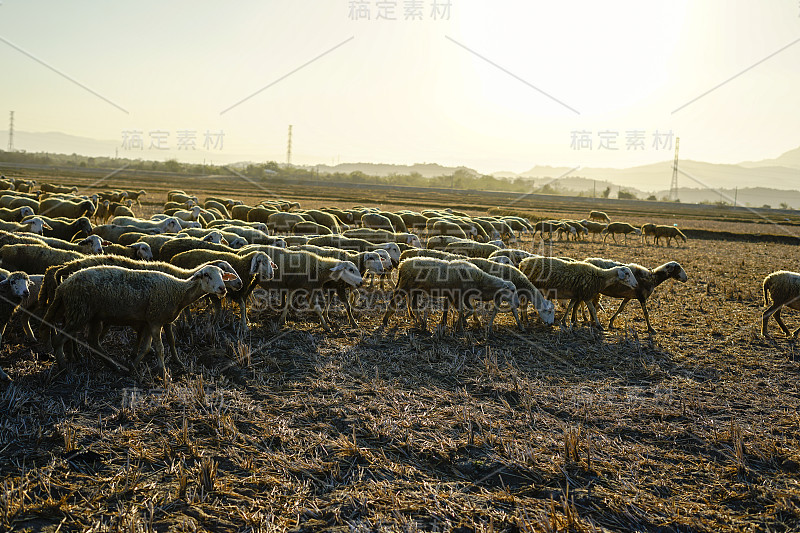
(227, 276)
(255, 263)
(340, 266)
(45, 225)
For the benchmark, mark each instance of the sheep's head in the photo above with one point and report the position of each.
(675, 270)
(143, 251)
(94, 243)
(626, 277)
(386, 260)
(547, 312)
(262, 266)
(394, 252)
(25, 211)
(19, 283)
(233, 284)
(36, 225)
(346, 271)
(413, 240)
(373, 262)
(212, 280)
(171, 225)
(502, 259)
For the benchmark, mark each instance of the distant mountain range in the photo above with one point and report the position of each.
(698, 180)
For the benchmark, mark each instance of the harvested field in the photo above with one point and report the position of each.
(696, 428)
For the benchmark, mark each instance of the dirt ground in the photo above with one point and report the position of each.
(695, 428)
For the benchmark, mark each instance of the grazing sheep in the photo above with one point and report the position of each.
(48, 187)
(552, 226)
(172, 248)
(113, 196)
(378, 236)
(136, 196)
(599, 215)
(670, 232)
(34, 258)
(15, 215)
(595, 228)
(57, 208)
(32, 225)
(648, 229)
(310, 228)
(471, 249)
(325, 219)
(357, 245)
(783, 288)
(252, 268)
(578, 281)
(167, 225)
(64, 228)
(113, 232)
(440, 242)
(527, 292)
(619, 227)
(377, 221)
(137, 250)
(92, 244)
(457, 281)
(301, 271)
(151, 299)
(646, 282)
(123, 211)
(13, 289)
(580, 230)
(281, 222)
(514, 254)
(251, 235)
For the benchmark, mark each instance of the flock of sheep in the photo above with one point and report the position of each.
(79, 278)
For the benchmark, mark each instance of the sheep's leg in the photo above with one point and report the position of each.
(144, 346)
(593, 312)
(765, 318)
(391, 308)
(781, 323)
(570, 307)
(650, 329)
(285, 312)
(319, 310)
(619, 310)
(155, 335)
(243, 312)
(346, 301)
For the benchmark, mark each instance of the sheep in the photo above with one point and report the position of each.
(487, 228)
(261, 214)
(175, 246)
(136, 196)
(7, 237)
(137, 250)
(218, 206)
(103, 212)
(580, 230)
(281, 222)
(92, 244)
(457, 281)
(435, 227)
(552, 226)
(527, 292)
(518, 224)
(396, 220)
(377, 236)
(646, 282)
(310, 228)
(56, 208)
(514, 254)
(20, 202)
(326, 219)
(440, 242)
(252, 268)
(472, 249)
(358, 245)
(647, 229)
(32, 225)
(251, 235)
(414, 221)
(578, 281)
(783, 288)
(15, 215)
(436, 254)
(366, 262)
(377, 221)
(13, 290)
(599, 216)
(502, 229)
(149, 299)
(123, 211)
(167, 225)
(48, 187)
(595, 228)
(305, 271)
(113, 232)
(34, 258)
(181, 197)
(619, 227)
(670, 232)
(259, 226)
(65, 229)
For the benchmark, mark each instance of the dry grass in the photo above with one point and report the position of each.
(694, 429)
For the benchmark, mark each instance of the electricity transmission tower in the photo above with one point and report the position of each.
(11, 132)
(673, 189)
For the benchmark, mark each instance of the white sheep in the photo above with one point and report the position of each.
(575, 280)
(13, 290)
(33, 258)
(32, 225)
(115, 295)
(168, 225)
(783, 288)
(457, 281)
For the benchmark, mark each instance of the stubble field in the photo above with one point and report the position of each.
(695, 428)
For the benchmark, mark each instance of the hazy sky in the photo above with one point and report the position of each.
(496, 86)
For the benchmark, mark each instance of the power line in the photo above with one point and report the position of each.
(673, 189)
(11, 132)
